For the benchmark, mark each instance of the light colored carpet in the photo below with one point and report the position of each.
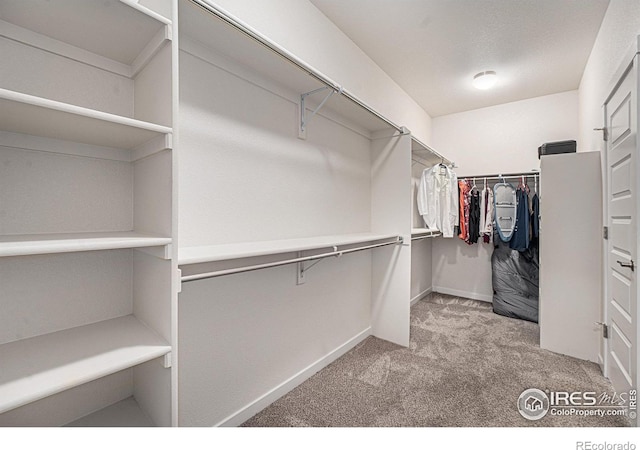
(465, 367)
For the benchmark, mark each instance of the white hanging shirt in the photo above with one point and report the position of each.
(438, 199)
(486, 213)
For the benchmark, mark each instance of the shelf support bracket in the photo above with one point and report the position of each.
(167, 361)
(302, 269)
(304, 118)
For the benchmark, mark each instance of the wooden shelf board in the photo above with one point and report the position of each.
(201, 254)
(39, 244)
(109, 29)
(41, 366)
(27, 114)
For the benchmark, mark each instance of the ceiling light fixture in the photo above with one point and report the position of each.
(485, 80)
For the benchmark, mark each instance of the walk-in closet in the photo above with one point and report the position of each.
(231, 213)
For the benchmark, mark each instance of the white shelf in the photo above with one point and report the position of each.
(118, 36)
(27, 114)
(125, 413)
(39, 244)
(38, 367)
(257, 59)
(210, 253)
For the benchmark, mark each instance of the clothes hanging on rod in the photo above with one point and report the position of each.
(535, 221)
(515, 264)
(474, 216)
(505, 198)
(464, 188)
(460, 216)
(437, 199)
(486, 214)
(500, 215)
(521, 238)
(514, 271)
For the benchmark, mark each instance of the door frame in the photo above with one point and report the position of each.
(631, 57)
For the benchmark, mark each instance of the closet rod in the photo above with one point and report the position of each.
(253, 34)
(430, 150)
(500, 176)
(418, 238)
(450, 164)
(219, 273)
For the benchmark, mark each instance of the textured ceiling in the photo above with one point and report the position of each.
(432, 48)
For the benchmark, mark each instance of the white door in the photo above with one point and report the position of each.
(622, 259)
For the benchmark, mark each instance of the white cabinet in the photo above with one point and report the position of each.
(85, 210)
(570, 245)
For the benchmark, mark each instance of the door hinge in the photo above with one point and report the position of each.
(605, 232)
(605, 329)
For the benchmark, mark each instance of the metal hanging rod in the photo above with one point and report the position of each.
(219, 273)
(275, 48)
(422, 163)
(432, 151)
(426, 236)
(403, 132)
(501, 176)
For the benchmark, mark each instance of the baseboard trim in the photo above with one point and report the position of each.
(274, 394)
(420, 296)
(464, 294)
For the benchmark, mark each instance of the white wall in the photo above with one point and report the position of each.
(618, 32)
(505, 138)
(619, 29)
(286, 187)
(497, 139)
(299, 27)
(243, 336)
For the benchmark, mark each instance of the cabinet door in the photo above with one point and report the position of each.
(570, 253)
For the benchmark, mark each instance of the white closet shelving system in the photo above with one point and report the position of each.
(312, 171)
(103, 302)
(422, 157)
(85, 213)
